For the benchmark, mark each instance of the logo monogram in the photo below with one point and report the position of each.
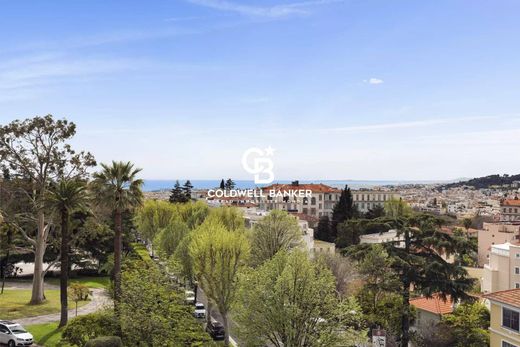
(262, 165)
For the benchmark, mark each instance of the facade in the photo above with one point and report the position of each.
(503, 270)
(510, 210)
(323, 198)
(369, 199)
(494, 234)
(504, 327)
(430, 310)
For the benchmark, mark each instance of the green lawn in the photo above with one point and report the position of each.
(90, 281)
(14, 304)
(47, 335)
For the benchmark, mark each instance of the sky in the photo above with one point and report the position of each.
(340, 89)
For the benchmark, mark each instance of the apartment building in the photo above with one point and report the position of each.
(503, 270)
(510, 210)
(369, 199)
(495, 234)
(323, 198)
(504, 329)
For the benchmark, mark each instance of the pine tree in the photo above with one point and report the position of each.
(177, 194)
(229, 184)
(323, 230)
(187, 190)
(342, 211)
(222, 184)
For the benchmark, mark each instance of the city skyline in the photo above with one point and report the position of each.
(341, 89)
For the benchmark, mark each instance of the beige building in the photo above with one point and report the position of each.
(368, 199)
(503, 270)
(504, 327)
(510, 210)
(495, 234)
(429, 311)
(322, 200)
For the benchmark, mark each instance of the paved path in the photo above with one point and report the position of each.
(98, 300)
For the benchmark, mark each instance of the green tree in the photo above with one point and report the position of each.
(78, 292)
(186, 189)
(396, 208)
(168, 322)
(64, 198)
(231, 217)
(152, 217)
(117, 187)
(343, 210)
(416, 258)
(222, 184)
(177, 194)
(230, 184)
(171, 236)
(218, 255)
(323, 229)
(375, 212)
(469, 325)
(36, 150)
(275, 232)
(291, 301)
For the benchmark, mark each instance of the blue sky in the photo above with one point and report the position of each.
(341, 89)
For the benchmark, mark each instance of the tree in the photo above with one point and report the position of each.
(64, 198)
(291, 301)
(229, 184)
(323, 231)
(171, 236)
(222, 184)
(152, 314)
(415, 257)
(177, 194)
(78, 292)
(343, 210)
(187, 190)
(231, 217)
(469, 324)
(375, 212)
(36, 150)
(396, 208)
(218, 255)
(275, 232)
(344, 272)
(152, 217)
(117, 187)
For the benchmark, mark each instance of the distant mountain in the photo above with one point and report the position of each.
(485, 182)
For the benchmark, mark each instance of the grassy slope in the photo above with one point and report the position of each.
(14, 304)
(47, 335)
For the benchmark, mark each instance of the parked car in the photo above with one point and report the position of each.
(189, 297)
(200, 310)
(216, 330)
(13, 334)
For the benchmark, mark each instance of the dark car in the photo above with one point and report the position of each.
(216, 330)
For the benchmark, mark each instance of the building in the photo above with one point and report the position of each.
(504, 327)
(495, 234)
(322, 200)
(503, 270)
(387, 236)
(510, 210)
(368, 199)
(431, 310)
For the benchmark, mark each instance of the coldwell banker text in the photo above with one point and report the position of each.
(259, 193)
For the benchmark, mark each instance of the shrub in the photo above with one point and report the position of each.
(84, 328)
(105, 341)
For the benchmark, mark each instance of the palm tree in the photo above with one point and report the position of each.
(65, 197)
(117, 188)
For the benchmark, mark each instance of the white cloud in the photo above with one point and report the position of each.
(276, 11)
(374, 80)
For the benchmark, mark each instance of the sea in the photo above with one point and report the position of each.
(158, 185)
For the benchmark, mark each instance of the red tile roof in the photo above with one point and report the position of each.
(509, 297)
(315, 188)
(435, 304)
(510, 202)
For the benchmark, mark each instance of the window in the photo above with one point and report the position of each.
(517, 255)
(3, 329)
(517, 270)
(510, 319)
(517, 285)
(321, 197)
(313, 201)
(507, 344)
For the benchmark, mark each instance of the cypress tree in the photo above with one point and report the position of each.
(187, 190)
(177, 193)
(323, 230)
(222, 184)
(343, 210)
